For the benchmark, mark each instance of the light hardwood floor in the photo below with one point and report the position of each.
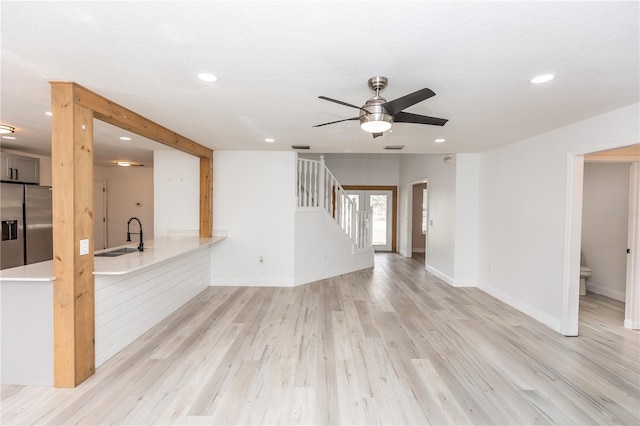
(389, 345)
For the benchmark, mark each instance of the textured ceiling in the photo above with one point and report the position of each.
(273, 60)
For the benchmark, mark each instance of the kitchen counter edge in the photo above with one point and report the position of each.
(157, 251)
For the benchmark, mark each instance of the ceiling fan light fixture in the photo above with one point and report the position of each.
(376, 120)
(5, 129)
(375, 126)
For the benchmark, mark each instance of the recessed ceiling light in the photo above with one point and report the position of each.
(543, 78)
(123, 163)
(205, 76)
(269, 140)
(49, 113)
(439, 140)
(125, 138)
(9, 137)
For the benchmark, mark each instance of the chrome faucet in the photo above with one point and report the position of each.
(141, 245)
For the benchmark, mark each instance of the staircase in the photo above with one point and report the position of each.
(318, 189)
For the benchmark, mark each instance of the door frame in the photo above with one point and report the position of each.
(103, 214)
(394, 206)
(573, 239)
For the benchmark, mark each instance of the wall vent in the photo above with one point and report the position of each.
(448, 158)
(300, 146)
(394, 147)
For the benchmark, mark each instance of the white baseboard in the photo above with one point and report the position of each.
(603, 290)
(447, 279)
(465, 283)
(250, 282)
(444, 277)
(330, 273)
(631, 325)
(549, 321)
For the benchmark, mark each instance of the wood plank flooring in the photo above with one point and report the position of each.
(389, 345)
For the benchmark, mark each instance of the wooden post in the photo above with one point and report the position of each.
(206, 196)
(73, 289)
(74, 108)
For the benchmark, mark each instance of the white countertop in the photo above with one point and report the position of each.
(155, 251)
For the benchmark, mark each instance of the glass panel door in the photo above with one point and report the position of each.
(379, 202)
(380, 205)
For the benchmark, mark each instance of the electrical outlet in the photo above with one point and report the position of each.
(84, 247)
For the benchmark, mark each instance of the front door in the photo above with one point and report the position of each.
(380, 202)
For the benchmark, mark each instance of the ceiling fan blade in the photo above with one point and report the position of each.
(338, 121)
(375, 135)
(338, 102)
(397, 105)
(407, 117)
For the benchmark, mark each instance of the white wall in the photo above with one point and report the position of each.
(524, 212)
(130, 192)
(364, 169)
(323, 250)
(176, 178)
(466, 219)
(605, 210)
(254, 200)
(441, 230)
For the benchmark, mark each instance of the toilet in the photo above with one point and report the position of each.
(584, 274)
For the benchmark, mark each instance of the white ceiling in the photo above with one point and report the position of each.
(273, 60)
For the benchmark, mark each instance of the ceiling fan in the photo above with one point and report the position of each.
(377, 115)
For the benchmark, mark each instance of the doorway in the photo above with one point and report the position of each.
(573, 234)
(419, 219)
(381, 200)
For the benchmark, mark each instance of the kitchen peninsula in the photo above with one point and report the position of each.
(133, 292)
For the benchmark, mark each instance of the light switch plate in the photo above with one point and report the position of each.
(84, 247)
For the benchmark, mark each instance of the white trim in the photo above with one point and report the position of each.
(573, 231)
(632, 304)
(331, 273)
(465, 283)
(251, 282)
(603, 290)
(444, 277)
(542, 317)
(632, 325)
(572, 241)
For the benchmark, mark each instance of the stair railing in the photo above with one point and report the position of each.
(317, 188)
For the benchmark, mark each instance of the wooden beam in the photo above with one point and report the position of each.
(206, 196)
(74, 108)
(73, 290)
(119, 116)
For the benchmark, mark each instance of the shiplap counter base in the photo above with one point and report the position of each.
(133, 293)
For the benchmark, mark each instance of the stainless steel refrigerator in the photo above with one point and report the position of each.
(27, 231)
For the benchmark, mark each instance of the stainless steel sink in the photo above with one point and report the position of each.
(117, 252)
